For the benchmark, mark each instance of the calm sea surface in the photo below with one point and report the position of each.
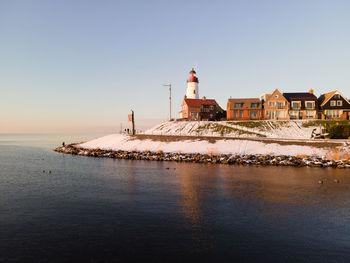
(103, 210)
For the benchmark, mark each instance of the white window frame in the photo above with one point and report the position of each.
(310, 114)
(339, 103)
(297, 102)
(333, 103)
(312, 105)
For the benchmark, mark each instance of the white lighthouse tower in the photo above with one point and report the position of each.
(192, 91)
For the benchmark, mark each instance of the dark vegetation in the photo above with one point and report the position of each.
(341, 131)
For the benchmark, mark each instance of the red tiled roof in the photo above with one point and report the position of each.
(199, 102)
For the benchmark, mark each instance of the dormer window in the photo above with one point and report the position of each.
(309, 105)
(296, 105)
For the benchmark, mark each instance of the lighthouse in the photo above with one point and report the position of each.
(192, 91)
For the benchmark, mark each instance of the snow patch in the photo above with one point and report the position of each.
(240, 146)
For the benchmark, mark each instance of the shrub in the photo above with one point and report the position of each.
(341, 131)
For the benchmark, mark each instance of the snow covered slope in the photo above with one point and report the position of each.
(219, 146)
(268, 129)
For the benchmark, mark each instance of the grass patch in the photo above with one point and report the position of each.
(260, 125)
(328, 125)
(224, 129)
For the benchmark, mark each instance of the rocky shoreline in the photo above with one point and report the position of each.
(229, 159)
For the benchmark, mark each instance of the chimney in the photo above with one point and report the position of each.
(311, 91)
(204, 98)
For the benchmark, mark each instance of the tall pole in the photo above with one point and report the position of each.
(169, 85)
(133, 123)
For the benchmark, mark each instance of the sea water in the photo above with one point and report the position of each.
(102, 210)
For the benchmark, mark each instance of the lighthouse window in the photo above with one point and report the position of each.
(194, 91)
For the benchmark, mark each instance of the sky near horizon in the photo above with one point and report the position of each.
(81, 66)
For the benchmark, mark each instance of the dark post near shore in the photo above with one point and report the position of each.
(132, 119)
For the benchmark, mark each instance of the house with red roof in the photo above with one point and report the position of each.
(200, 109)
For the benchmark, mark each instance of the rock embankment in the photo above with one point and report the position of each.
(282, 160)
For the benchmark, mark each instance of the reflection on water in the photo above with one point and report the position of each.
(44, 140)
(94, 209)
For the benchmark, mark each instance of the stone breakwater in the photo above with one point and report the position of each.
(230, 159)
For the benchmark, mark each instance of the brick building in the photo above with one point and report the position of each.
(200, 109)
(244, 109)
(276, 106)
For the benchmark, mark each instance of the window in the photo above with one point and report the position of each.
(270, 114)
(194, 91)
(295, 105)
(336, 96)
(339, 103)
(309, 114)
(271, 104)
(238, 105)
(241, 114)
(280, 105)
(204, 109)
(309, 105)
(254, 105)
(333, 103)
(235, 114)
(333, 113)
(211, 107)
(276, 96)
(293, 115)
(253, 115)
(194, 115)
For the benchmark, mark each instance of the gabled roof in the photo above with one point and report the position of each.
(200, 102)
(324, 98)
(300, 96)
(274, 94)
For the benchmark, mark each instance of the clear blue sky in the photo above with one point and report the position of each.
(80, 66)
